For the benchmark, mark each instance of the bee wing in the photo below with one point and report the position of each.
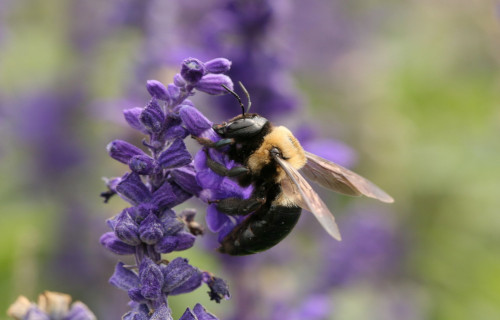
(339, 179)
(296, 187)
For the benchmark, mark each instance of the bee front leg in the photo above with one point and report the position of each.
(211, 144)
(221, 170)
(237, 206)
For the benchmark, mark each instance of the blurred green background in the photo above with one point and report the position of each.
(415, 93)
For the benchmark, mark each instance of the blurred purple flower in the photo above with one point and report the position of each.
(370, 248)
(50, 306)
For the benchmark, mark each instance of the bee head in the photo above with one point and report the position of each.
(243, 126)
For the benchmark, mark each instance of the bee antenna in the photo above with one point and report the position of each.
(236, 96)
(247, 94)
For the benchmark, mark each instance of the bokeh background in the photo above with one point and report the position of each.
(404, 92)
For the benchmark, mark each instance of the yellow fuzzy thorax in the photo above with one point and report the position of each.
(281, 138)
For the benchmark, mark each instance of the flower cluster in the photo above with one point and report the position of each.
(50, 306)
(157, 182)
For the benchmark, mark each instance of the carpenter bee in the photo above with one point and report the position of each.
(273, 161)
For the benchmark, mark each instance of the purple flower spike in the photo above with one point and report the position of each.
(194, 121)
(175, 156)
(212, 84)
(123, 151)
(151, 230)
(157, 90)
(126, 229)
(218, 65)
(153, 117)
(151, 279)
(115, 245)
(124, 278)
(202, 314)
(159, 181)
(132, 189)
(142, 164)
(192, 70)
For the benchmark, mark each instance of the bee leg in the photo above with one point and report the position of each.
(239, 207)
(221, 170)
(215, 145)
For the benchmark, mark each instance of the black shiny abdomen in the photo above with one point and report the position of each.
(261, 230)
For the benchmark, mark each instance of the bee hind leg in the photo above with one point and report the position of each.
(239, 207)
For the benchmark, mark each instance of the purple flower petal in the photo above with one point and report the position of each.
(218, 65)
(218, 289)
(174, 91)
(142, 164)
(151, 279)
(226, 229)
(208, 179)
(185, 241)
(35, 314)
(132, 118)
(176, 273)
(151, 230)
(195, 122)
(153, 117)
(171, 224)
(124, 278)
(179, 81)
(188, 315)
(162, 313)
(192, 70)
(215, 219)
(185, 177)
(194, 282)
(175, 156)
(126, 229)
(123, 151)
(212, 84)
(202, 313)
(165, 196)
(115, 245)
(132, 189)
(174, 129)
(166, 244)
(157, 90)
(79, 311)
(135, 295)
(181, 195)
(135, 315)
